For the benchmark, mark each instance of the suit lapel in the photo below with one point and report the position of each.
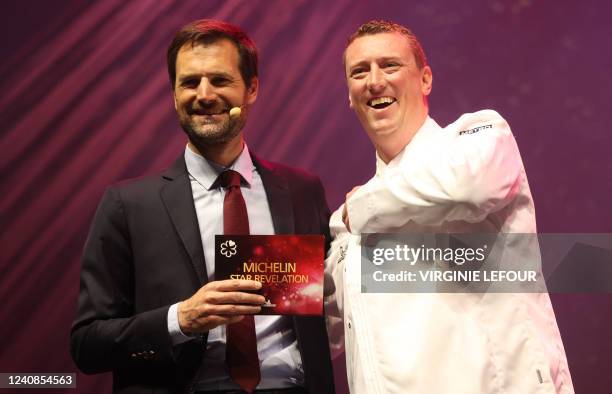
(178, 200)
(279, 196)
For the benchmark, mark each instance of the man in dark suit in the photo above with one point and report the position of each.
(149, 309)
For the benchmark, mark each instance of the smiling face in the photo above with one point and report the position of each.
(387, 90)
(208, 83)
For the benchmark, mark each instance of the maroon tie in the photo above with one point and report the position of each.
(241, 350)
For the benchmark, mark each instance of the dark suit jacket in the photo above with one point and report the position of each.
(144, 253)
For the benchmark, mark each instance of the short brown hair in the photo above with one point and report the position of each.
(208, 31)
(381, 26)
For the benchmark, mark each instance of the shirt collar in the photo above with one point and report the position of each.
(428, 126)
(206, 171)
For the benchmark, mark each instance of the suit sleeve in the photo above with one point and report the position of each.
(107, 333)
(465, 172)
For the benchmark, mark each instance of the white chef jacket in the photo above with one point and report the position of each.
(466, 177)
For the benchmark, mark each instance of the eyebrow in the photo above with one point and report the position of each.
(384, 58)
(214, 74)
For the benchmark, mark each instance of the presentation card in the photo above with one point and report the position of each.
(290, 268)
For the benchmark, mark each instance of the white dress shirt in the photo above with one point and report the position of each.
(279, 356)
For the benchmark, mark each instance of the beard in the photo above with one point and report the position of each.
(210, 132)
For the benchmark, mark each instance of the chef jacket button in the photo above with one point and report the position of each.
(349, 324)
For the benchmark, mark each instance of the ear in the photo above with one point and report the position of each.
(175, 100)
(252, 91)
(426, 80)
(350, 102)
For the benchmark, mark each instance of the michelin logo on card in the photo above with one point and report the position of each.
(228, 248)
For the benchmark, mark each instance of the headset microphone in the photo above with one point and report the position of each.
(235, 112)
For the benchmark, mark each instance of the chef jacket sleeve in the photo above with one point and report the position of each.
(463, 172)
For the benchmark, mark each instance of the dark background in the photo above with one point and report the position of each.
(85, 101)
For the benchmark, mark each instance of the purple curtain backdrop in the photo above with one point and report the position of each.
(85, 101)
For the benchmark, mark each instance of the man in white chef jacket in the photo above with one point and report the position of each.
(466, 178)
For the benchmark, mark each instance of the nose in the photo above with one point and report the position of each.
(376, 80)
(205, 91)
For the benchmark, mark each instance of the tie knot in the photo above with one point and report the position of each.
(228, 179)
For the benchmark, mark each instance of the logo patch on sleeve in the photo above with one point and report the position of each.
(476, 129)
